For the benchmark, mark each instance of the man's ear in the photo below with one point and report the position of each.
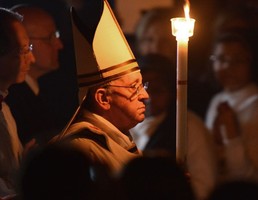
(102, 98)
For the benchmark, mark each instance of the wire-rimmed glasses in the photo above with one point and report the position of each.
(49, 38)
(136, 88)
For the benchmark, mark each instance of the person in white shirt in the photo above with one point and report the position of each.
(232, 114)
(15, 60)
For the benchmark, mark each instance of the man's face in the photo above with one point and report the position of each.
(16, 63)
(232, 65)
(46, 43)
(126, 104)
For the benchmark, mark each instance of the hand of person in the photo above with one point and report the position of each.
(226, 125)
(29, 146)
(9, 197)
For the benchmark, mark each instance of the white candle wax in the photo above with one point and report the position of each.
(181, 108)
(182, 28)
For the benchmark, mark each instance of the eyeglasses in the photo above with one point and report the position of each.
(26, 49)
(136, 89)
(49, 38)
(228, 59)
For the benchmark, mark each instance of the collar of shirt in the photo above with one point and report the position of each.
(33, 84)
(2, 96)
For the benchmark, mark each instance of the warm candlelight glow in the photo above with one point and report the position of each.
(182, 28)
(187, 9)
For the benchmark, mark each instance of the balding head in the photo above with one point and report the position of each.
(42, 32)
(35, 19)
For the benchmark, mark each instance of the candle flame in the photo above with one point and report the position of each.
(183, 27)
(187, 9)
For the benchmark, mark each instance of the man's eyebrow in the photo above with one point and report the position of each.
(22, 46)
(136, 82)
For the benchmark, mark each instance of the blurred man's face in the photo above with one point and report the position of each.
(16, 63)
(46, 43)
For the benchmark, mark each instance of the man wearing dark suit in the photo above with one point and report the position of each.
(39, 104)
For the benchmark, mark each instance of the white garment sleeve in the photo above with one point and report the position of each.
(237, 164)
(200, 157)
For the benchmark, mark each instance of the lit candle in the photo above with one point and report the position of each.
(182, 28)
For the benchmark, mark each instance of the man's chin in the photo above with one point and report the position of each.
(20, 79)
(141, 118)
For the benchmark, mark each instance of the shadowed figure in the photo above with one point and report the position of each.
(155, 177)
(60, 172)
